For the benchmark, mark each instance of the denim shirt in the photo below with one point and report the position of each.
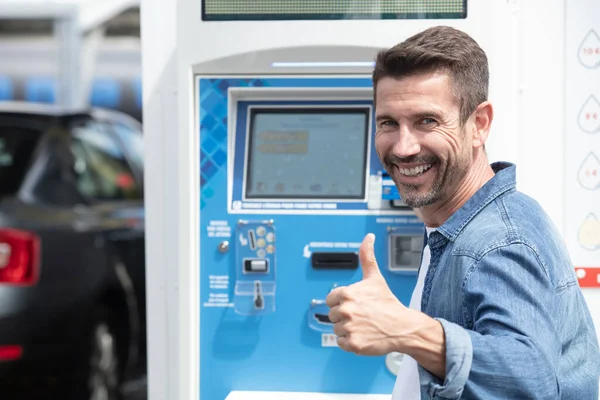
(502, 285)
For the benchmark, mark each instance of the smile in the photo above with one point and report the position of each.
(415, 171)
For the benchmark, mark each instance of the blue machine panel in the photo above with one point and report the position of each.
(6, 88)
(285, 190)
(105, 93)
(40, 89)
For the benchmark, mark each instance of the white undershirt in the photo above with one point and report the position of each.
(407, 385)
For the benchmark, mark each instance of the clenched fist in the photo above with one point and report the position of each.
(368, 319)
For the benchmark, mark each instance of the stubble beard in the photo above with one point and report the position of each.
(447, 179)
(414, 199)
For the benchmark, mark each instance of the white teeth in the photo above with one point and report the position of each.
(415, 171)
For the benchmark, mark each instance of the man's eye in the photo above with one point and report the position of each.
(428, 121)
(387, 124)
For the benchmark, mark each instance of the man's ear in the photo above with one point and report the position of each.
(482, 122)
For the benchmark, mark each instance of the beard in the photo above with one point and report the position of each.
(447, 178)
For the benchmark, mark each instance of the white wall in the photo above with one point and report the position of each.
(582, 142)
(548, 134)
(168, 374)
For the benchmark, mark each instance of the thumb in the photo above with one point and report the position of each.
(367, 258)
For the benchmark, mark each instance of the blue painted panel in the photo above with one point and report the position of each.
(6, 88)
(40, 89)
(106, 92)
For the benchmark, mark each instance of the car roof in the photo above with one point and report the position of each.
(23, 107)
(52, 110)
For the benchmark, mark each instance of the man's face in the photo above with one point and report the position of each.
(419, 138)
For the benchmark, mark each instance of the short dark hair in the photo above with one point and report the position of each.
(440, 48)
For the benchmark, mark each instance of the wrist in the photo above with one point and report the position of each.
(426, 343)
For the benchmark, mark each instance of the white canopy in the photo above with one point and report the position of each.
(79, 29)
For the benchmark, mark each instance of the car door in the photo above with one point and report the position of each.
(130, 137)
(108, 176)
(42, 232)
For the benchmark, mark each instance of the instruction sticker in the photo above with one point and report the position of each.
(329, 340)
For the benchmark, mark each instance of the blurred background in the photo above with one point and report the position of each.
(35, 60)
(72, 272)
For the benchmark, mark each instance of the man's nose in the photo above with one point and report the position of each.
(407, 143)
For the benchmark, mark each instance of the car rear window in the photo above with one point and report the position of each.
(17, 145)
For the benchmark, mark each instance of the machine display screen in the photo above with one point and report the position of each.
(307, 153)
(228, 10)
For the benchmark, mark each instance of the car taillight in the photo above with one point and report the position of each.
(19, 257)
(10, 353)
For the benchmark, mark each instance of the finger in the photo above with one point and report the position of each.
(340, 329)
(334, 314)
(342, 342)
(367, 257)
(334, 298)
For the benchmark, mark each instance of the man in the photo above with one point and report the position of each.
(500, 315)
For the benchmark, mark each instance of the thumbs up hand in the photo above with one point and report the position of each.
(368, 319)
(367, 258)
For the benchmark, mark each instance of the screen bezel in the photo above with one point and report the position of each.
(307, 109)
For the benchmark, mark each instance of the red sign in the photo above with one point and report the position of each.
(589, 277)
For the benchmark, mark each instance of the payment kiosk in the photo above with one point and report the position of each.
(264, 179)
(290, 184)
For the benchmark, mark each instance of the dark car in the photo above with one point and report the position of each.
(72, 268)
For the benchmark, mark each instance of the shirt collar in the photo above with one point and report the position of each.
(503, 181)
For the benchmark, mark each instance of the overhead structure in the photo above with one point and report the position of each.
(79, 29)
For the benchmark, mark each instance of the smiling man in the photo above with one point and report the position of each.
(497, 312)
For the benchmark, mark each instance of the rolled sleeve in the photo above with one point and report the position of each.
(459, 356)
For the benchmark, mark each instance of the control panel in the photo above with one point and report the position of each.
(290, 185)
